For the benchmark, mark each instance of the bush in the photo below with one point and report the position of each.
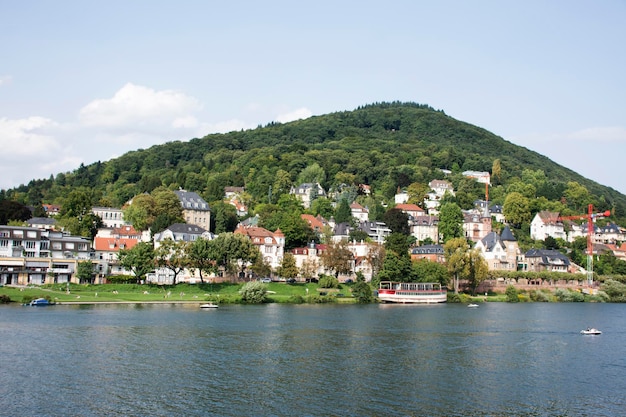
(362, 292)
(567, 296)
(539, 296)
(121, 279)
(511, 294)
(296, 299)
(4, 299)
(253, 292)
(327, 281)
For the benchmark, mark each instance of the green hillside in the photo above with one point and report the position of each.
(385, 145)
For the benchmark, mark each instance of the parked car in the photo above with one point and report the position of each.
(291, 280)
(266, 280)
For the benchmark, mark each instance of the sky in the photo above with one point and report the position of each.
(85, 81)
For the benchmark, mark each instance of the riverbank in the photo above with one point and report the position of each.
(223, 293)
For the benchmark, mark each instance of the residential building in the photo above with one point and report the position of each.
(412, 210)
(547, 223)
(270, 244)
(111, 217)
(501, 251)
(377, 231)
(51, 209)
(359, 212)
(195, 210)
(538, 260)
(32, 256)
(316, 223)
(433, 253)
(308, 192)
(107, 244)
(425, 227)
(439, 188)
(182, 232)
(476, 224)
(611, 233)
(42, 223)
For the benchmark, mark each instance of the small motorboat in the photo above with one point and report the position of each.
(40, 302)
(590, 331)
(208, 305)
(472, 305)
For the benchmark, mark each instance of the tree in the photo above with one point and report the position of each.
(477, 269)
(344, 213)
(199, 257)
(455, 251)
(338, 258)
(233, 252)
(312, 174)
(288, 268)
(139, 259)
(515, 209)
(322, 206)
(12, 210)
(361, 290)
(140, 213)
(397, 243)
(223, 217)
(375, 257)
(428, 271)
(172, 255)
(450, 221)
(84, 272)
(417, 193)
(396, 268)
(397, 221)
(253, 292)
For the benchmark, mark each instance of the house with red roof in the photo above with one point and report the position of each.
(270, 244)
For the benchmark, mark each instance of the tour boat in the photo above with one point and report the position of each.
(590, 331)
(411, 292)
(472, 305)
(208, 305)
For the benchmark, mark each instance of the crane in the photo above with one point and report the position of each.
(590, 217)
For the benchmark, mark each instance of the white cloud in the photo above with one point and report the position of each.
(5, 80)
(142, 108)
(30, 150)
(302, 113)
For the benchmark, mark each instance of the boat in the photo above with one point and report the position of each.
(208, 305)
(472, 305)
(591, 331)
(40, 302)
(412, 292)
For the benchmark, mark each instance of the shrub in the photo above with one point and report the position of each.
(511, 294)
(253, 292)
(539, 296)
(4, 299)
(296, 299)
(362, 292)
(327, 281)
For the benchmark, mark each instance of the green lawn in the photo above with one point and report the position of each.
(220, 293)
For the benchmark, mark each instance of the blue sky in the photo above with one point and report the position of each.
(82, 81)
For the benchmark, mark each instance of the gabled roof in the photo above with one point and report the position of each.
(190, 200)
(549, 217)
(191, 229)
(491, 240)
(409, 207)
(548, 256)
(315, 223)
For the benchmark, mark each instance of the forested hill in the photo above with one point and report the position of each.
(385, 145)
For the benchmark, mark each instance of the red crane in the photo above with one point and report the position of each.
(590, 217)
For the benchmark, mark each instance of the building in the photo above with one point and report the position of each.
(538, 260)
(107, 244)
(547, 223)
(359, 212)
(195, 210)
(308, 192)
(433, 253)
(32, 256)
(425, 227)
(270, 244)
(111, 217)
(501, 252)
(439, 188)
(477, 224)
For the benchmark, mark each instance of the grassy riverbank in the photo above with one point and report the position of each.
(278, 292)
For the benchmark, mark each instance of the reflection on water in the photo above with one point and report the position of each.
(284, 360)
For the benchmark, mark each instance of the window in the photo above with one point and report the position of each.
(31, 234)
(4, 243)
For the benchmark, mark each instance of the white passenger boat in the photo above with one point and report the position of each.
(411, 292)
(208, 305)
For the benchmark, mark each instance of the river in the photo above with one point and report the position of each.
(500, 359)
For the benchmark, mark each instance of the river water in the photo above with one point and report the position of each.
(500, 359)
